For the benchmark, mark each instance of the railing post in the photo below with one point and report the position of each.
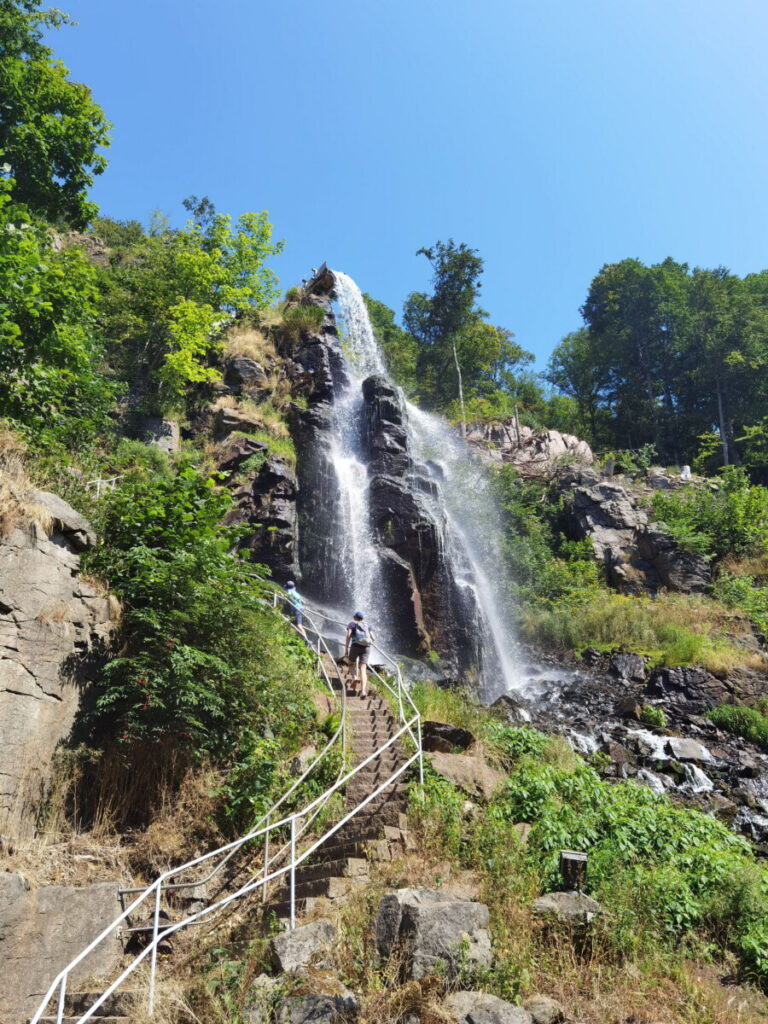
(421, 754)
(153, 958)
(293, 872)
(266, 860)
(62, 994)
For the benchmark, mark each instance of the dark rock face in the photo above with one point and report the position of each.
(244, 376)
(637, 555)
(268, 502)
(445, 738)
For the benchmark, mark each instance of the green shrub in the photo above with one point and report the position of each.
(750, 723)
(655, 717)
(744, 592)
(730, 520)
(205, 661)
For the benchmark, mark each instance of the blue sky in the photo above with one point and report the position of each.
(552, 135)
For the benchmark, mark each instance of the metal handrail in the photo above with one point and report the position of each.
(411, 727)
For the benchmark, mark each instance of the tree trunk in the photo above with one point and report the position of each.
(721, 421)
(461, 390)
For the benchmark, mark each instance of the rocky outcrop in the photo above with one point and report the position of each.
(54, 629)
(267, 502)
(483, 1008)
(472, 774)
(637, 555)
(434, 931)
(41, 930)
(534, 454)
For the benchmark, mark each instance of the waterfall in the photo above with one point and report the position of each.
(474, 533)
(357, 544)
(458, 495)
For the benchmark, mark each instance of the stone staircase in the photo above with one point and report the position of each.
(116, 1009)
(377, 831)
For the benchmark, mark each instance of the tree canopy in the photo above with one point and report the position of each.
(51, 130)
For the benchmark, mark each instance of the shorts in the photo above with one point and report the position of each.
(298, 618)
(359, 651)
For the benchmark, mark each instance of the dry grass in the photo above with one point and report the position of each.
(18, 507)
(251, 343)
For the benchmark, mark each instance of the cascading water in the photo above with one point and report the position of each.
(361, 563)
(462, 506)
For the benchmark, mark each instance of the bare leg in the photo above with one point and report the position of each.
(363, 678)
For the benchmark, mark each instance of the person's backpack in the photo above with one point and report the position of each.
(360, 634)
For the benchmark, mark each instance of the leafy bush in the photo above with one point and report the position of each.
(732, 520)
(655, 717)
(750, 723)
(206, 662)
(744, 592)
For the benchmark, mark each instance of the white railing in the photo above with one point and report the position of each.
(281, 856)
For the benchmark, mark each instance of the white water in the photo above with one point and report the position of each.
(474, 531)
(358, 547)
(472, 526)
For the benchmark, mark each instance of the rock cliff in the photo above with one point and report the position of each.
(54, 626)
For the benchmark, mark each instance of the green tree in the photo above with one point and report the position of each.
(169, 294)
(400, 348)
(51, 130)
(49, 359)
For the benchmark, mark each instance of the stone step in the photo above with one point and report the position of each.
(332, 888)
(346, 867)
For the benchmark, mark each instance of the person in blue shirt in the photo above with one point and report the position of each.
(297, 602)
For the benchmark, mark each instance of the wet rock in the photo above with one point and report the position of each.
(295, 950)
(687, 750)
(435, 930)
(544, 1010)
(617, 753)
(629, 708)
(629, 668)
(513, 711)
(439, 736)
(471, 774)
(483, 1008)
(574, 908)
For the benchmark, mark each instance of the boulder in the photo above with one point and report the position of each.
(154, 430)
(483, 1008)
(574, 908)
(544, 1010)
(295, 950)
(231, 419)
(243, 375)
(629, 668)
(687, 750)
(257, 1008)
(75, 529)
(436, 931)
(511, 710)
(629, 708)
(471, 774)
(42, 930)
(319, 1009)
(439, 736)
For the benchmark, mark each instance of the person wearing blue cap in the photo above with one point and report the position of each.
(298, 606)
(357, 648)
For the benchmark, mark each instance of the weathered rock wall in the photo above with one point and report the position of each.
(42, 930)
(54, 625)
(533, 453)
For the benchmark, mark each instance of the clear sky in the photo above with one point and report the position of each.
(552, 135)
